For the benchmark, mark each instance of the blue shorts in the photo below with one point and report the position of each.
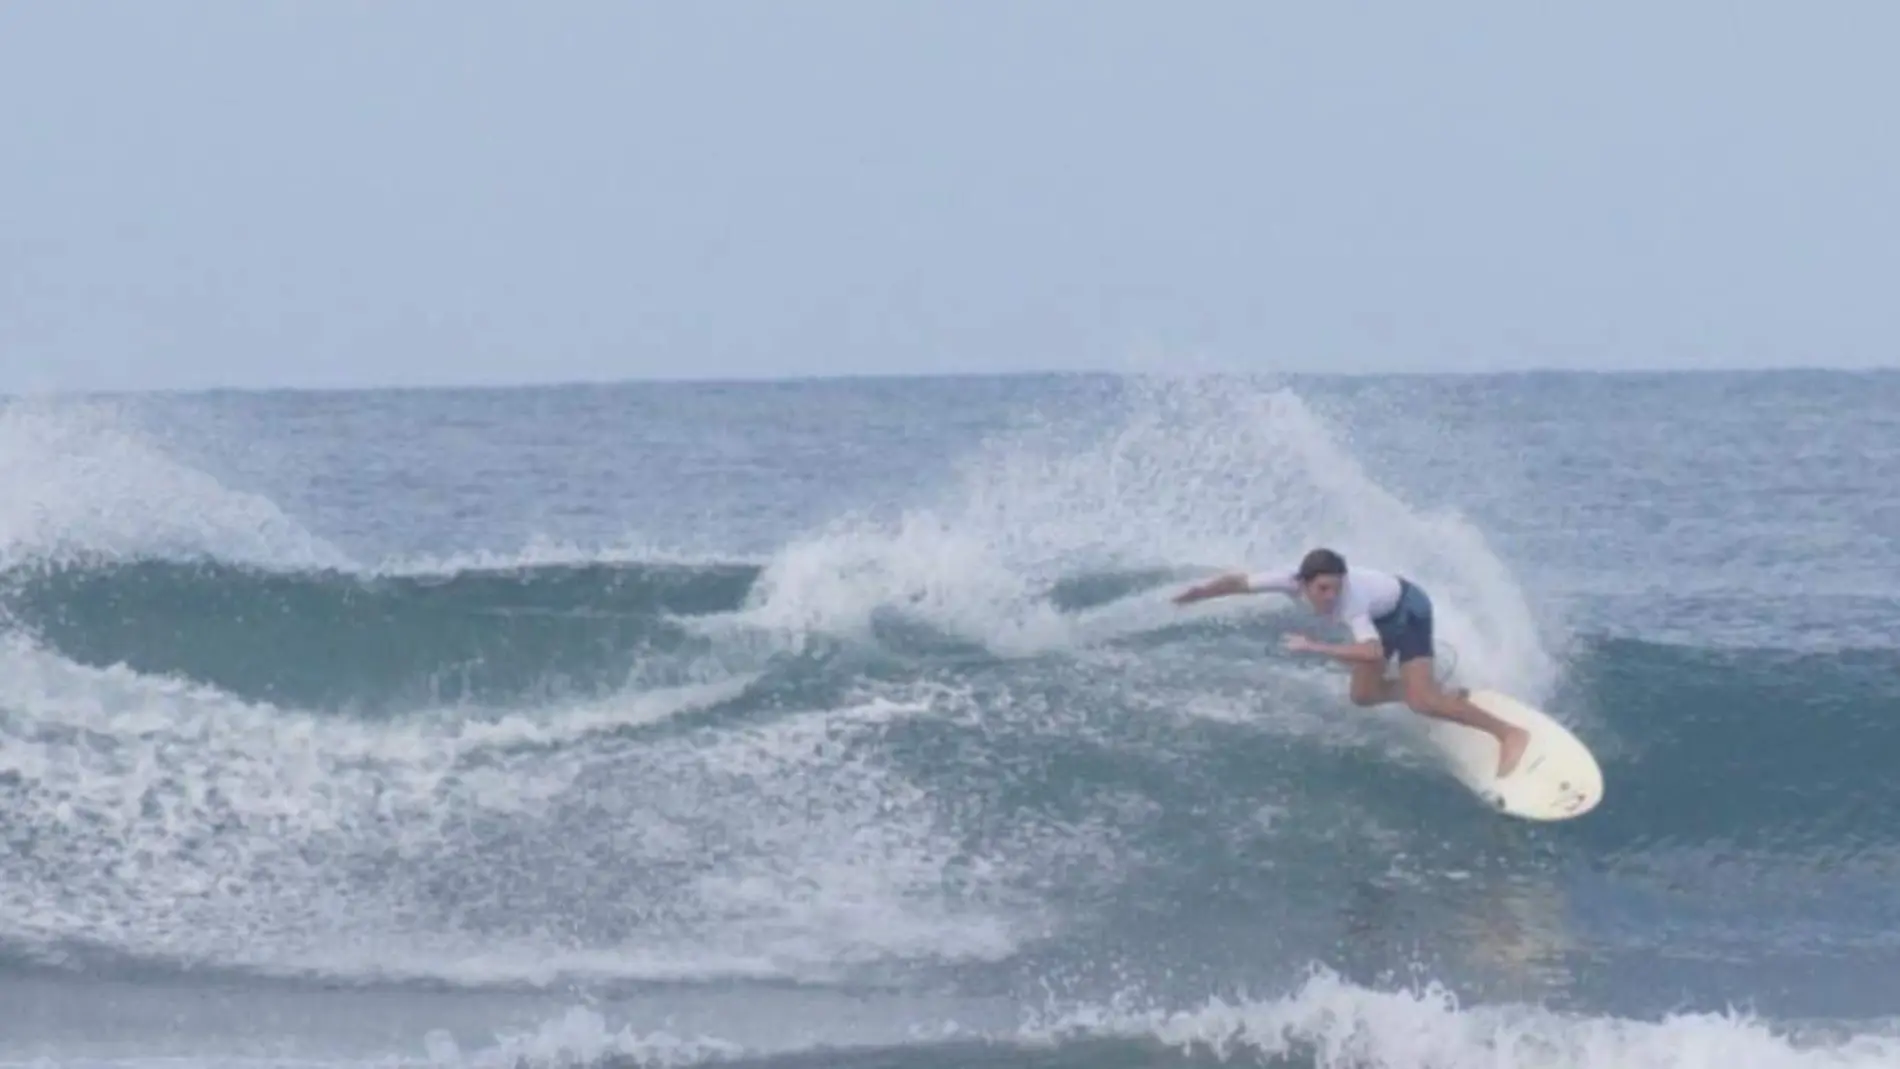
(1407, 629)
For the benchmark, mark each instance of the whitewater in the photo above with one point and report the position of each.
(849, 723)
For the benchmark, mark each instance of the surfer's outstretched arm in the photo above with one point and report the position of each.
(1237, 583)
(1217, 587)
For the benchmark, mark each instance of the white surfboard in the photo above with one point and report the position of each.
(1557, 779)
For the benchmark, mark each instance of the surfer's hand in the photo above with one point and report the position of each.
(1297, 643)
(1220, 587)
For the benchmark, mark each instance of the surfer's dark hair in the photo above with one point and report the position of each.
(1321, 562)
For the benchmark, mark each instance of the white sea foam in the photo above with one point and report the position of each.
(171, 821)
(1341, 1025)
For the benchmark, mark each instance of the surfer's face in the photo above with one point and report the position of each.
(1323, 592)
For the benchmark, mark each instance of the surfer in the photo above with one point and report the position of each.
(1388, 615)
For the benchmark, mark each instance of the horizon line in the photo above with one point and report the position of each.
(499, 385)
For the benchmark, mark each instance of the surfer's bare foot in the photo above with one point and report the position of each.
(1512, 740)
(1511, 749)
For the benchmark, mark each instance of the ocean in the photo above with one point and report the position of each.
(849, 723)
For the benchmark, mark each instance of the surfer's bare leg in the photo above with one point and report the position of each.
(1424, 696)
(1371, 687)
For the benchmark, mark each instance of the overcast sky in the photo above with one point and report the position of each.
(234, 193)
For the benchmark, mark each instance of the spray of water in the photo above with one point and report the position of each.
(1182, 474)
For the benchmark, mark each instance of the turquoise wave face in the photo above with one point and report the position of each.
(632, 754)
(331, 640)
